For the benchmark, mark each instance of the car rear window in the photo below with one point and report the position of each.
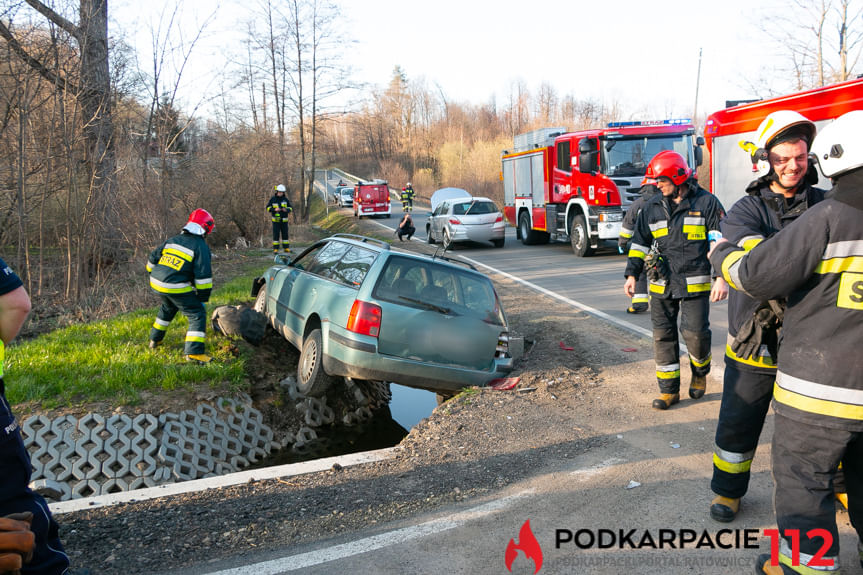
(474, 208)
(412, 282)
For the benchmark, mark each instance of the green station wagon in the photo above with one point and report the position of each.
(356, 307)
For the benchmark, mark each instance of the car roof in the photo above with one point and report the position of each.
(382, 246)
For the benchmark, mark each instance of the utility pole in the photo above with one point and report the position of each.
(697, 84)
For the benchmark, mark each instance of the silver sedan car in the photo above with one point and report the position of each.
(459, 217)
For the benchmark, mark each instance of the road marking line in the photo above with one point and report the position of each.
(360, 546)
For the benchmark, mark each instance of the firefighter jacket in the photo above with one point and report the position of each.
(410, 193)
(816, 263)
(752, 219)
(279, 203)
(182, 265)
(405, 195)
(9, 281)
(680, 233)
(628, 226)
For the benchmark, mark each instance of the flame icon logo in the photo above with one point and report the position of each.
(528, 544)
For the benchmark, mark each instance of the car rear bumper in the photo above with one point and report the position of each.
(477, 233)
(349, 357)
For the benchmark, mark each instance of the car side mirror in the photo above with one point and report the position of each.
(282, 259)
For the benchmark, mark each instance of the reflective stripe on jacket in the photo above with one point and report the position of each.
(818, 264)
(279, 203)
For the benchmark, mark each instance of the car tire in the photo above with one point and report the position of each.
(312, 380)
(579, 237)
(446, 241)
(261, 300)
(498, 243)
(429, 237)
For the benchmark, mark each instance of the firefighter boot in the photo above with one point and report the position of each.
(697, 386)
(762, 566)
(724, 509)
(842, 498)
(199, 358)
(665, 400)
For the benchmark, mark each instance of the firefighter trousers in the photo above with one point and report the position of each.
(746, 396)
(15, 496)
(193, 310)
(694, 326)
(805, 460)
(640, 298)
(280, 229)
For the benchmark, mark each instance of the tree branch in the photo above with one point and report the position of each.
(56, 18)
(46, 73)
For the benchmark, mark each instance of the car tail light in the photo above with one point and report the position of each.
(455, 221)
(365, 318)
(499, 218)
(502, 349)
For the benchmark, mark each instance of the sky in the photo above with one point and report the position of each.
(643, 56)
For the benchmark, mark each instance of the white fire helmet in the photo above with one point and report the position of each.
(777, 127)
(280, 188)
(838, 148)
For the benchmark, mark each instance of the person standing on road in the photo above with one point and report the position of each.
(640, 299)
(181, 274)
(409, 190)
(15, 469)
(816, 264)
(279, 208)
(670, 240)
(780, 194)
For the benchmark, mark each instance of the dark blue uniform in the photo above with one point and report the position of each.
(15, 495)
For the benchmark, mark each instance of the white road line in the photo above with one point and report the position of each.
(312, 558)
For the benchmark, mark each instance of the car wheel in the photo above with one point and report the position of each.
(446, 241)
(261, 300)
(579, 237)
(312, 380)
(498, 243)
(429, 237)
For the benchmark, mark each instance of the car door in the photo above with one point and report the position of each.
(439, 219)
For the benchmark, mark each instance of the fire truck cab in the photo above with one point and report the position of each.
(372, 199)
(575, 186)
(731, 168)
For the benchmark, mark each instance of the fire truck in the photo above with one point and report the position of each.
(575, 186)
(372, 199)
(728, 130)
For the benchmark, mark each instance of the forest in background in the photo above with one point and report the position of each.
(99, 163)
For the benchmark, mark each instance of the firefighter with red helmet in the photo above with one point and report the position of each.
(818, 395)
(781, 193)
(181, 274)
(670, 243)
(279, 208)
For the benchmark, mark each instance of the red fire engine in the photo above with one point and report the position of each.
(575, 186)
(727, 130)
(372, 199)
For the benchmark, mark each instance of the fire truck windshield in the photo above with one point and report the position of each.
(628, 157)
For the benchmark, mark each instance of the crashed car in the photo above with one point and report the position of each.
(459, 217)
(356, 307)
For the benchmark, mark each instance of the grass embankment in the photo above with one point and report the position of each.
(109, 361)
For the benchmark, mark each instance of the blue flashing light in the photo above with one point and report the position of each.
(670, 122)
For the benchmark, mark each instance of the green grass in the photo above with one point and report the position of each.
(110, 361)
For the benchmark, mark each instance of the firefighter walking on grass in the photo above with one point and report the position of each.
(780, 194)
(640, 299)
(180, 272)
(817, 264)
(670, 242)
(279, 208)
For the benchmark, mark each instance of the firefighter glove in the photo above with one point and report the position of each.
(16, 542)
(622, 243)
(748, 339)
(656, 267)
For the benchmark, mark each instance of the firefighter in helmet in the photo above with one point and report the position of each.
(409, 191)
(670, 242)
(640, 300)
(818, 393)
(279, 208)
(404, 198)
(781, 192)
(181, 275)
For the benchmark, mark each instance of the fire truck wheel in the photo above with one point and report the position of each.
(579, 237)
(528, 236)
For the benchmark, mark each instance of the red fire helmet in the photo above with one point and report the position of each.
(203, 219)
(668, 164)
